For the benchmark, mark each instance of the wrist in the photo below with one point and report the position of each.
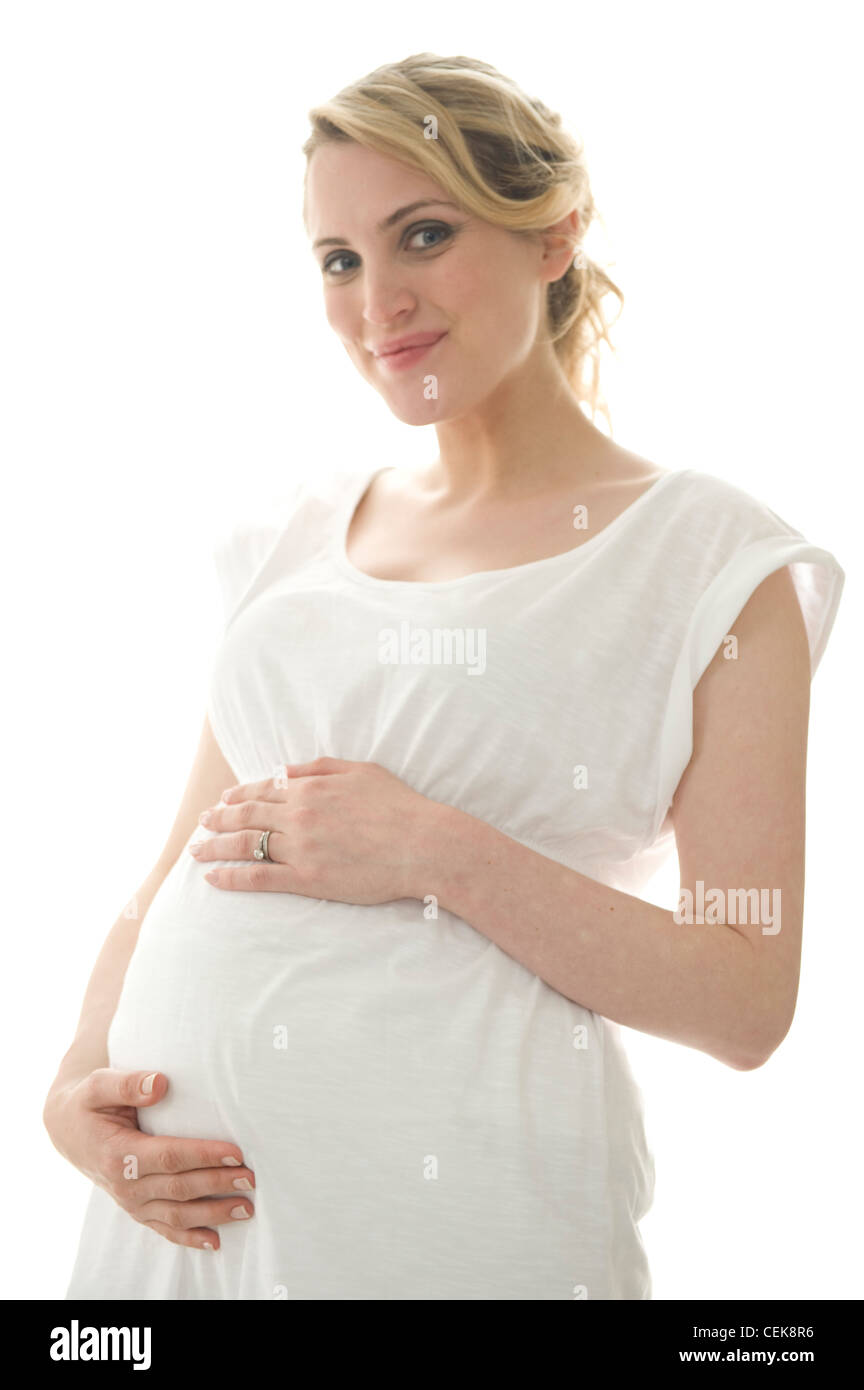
(451, 843)
(71, 1071)
(52, 1115)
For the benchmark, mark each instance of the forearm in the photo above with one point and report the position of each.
(608, 951)
(89, 1048)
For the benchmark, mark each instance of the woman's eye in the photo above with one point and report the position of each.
(425, 231)
(441, 231)
(331, 262)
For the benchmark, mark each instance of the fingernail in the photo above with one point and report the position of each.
(147, 1083)
(208, 1246)
(233, 1162)
(243, 1183)
(205, 817)
(195, 847)
(240, 1213)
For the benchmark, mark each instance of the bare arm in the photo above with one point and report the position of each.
(181, 1188)
(738, 813)
(209, 777)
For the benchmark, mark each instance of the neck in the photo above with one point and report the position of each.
(528, 435)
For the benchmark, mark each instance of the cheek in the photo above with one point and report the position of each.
(463, 287)
(492, 298)
(346, 320)
(339, 316)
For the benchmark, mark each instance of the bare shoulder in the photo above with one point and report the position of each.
(618, 478)
(625, 469)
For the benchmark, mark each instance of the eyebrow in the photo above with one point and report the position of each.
(387, 222)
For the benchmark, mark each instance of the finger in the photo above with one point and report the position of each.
(252, 815)
(188, 1186)
(260, 877)
(200, 1238)
(239, 846)
(268, 790)
(184, 1216)
(164, 1153)
(107, 1086)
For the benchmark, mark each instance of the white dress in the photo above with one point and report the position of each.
(427, 1119)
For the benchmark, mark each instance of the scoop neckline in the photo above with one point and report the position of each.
(575, 553)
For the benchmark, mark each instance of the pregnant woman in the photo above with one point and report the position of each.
(360, 1037)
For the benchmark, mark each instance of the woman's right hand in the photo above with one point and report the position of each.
(166, 1183)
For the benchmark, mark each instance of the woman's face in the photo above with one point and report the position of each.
(433, 270)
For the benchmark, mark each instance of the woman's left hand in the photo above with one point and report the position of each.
(347, 831)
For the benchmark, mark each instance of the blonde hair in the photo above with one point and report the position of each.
(501, 155)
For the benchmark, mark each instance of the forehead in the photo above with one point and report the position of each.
(350, 189)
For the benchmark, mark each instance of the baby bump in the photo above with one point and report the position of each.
(363, 1035)
(225, 993)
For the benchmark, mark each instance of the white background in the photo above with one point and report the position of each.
(166, 360)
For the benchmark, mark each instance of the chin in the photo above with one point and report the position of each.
(420, 412)
(407, 402)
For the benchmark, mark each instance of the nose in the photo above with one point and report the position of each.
(385, 295)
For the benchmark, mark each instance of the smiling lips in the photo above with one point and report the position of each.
(404, 352)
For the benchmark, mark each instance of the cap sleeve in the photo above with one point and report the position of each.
(818, 580)
(240, 552)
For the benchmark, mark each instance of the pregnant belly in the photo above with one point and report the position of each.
(390, 1078)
